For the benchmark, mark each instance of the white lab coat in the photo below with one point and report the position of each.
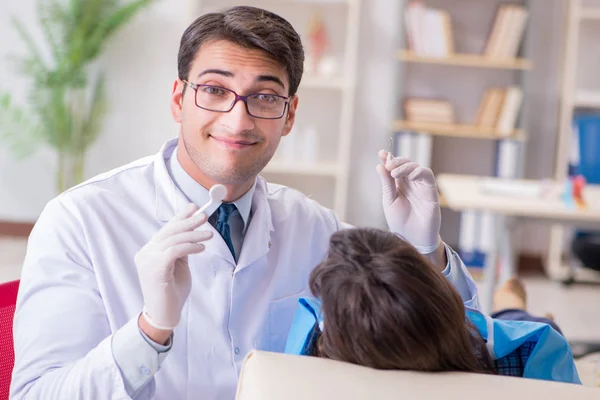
(79, 286)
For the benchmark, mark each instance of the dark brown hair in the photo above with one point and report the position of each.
(249, 27)
(386, 307)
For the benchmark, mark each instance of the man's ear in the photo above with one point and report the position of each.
(291, 115)
(177, 100)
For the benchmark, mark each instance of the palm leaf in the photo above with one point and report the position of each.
(50, 16)
(50, 105)
(17, 128)
(28, 66)
(93, 123)
(122, 15)
(89, 15)
(34, 54)
(109, 25)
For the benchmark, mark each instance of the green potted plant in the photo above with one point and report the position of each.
(66, 99)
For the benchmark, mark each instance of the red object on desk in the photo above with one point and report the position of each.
(8, 300)
(578, 185)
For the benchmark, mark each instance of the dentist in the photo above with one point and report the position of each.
(125, 293)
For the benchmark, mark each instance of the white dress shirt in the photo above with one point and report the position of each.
(79, 299)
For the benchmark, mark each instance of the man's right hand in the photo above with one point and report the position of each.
(164, 273)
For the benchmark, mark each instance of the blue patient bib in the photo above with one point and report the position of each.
(519, 348)
(307, 319)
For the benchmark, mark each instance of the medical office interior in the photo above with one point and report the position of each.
(501, 99)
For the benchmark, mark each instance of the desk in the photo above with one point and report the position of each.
(539, 200)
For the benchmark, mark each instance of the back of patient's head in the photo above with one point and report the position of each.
(385, 306)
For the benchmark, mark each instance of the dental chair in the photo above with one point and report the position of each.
(8, 300)
(273, 376)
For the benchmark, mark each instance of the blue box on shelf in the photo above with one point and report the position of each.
(586, 129)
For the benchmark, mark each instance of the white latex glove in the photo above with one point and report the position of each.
(411, 202)
(163, 269)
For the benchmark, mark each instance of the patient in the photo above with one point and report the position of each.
(384, 306)
(381, 304)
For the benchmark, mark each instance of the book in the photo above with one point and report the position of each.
(403, 145)
(507, 158)
(509, 112)
(414, 146)
(507, 32)
(414, 16)
(518, 22)
(483, 104)
(447, 32)
(497, 32)
(468, 244)
(428, 30)
(428, 110)
(490, 108)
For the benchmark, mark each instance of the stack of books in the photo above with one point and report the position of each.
(414, 146)
(499, 109)
(428, 110)
(429, 31)
(507, 33)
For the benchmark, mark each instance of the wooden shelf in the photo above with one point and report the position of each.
(587, 98)
(443, 201)
(455, 130)
(466, 60)
(590, 13)
(322, 82)
(317, 169)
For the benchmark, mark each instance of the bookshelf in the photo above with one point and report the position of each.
(589, 13)
(465, 60)
(326, 100)
(456, 130)
(482, 48)
(578, 49)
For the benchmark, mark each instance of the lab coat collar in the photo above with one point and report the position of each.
(170, 200)
(198, 194)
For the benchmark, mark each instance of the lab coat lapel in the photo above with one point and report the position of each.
(168, 197)
(257, 240)
(217, 245)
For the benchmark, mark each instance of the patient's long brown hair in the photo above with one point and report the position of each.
(385, 306)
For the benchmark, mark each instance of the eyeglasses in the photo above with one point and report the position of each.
(258, 105)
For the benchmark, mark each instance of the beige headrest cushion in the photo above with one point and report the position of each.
(272, 376)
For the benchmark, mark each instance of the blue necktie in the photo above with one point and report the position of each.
(223, 213)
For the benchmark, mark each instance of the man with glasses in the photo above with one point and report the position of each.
(127, 293)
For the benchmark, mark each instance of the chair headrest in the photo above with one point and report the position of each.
(273, 376)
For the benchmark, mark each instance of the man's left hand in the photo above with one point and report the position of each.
(411, 202)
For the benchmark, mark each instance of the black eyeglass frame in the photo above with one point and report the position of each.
(238, 97)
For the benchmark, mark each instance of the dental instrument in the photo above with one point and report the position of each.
(216, 193)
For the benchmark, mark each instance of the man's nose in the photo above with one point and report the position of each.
(238, 119)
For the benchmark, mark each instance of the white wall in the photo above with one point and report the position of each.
(141, 65)
(375, 106)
